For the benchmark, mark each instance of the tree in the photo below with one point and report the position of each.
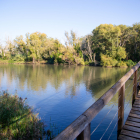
(87, 47)
(121, 53)
(36, 42)
(20, 45)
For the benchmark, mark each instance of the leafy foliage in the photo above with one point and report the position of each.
(116, 43)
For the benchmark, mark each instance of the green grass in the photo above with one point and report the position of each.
(20, 62)
(3, 61)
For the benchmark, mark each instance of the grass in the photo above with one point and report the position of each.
(17, 121)
(20, 62)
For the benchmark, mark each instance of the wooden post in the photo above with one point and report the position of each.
(134, 87)
(85, 134)
(121, 108)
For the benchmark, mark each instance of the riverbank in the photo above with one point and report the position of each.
(121, 64)
(20, 62)
(42, 62)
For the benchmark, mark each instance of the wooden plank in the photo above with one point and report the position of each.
(135, 112)
(135, 124)
(85, 135)
(138, 96)
(123, 137)
(71, 130)
(137, 99)
(131, 128)
(133, 119)
(134, 115)
(134, 87)
(121, 97)
(131, 134)
(136, 109)
(137, 103)
(136, 106)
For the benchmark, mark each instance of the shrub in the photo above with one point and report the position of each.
(121, 64)
(17, 120)
(113, 62)
(121, 53)
(130, 63)
(18, 57)
(105, 60)
(79, 61)
(108, 61)
(86, 62)
(10, 61)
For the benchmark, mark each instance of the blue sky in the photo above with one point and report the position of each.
(54, 17)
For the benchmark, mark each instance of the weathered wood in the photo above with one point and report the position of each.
(133, 119)
(136, 103)
(132, 128)
(123, 137)
(121, 97)
(134, 115)
(136, 106)
(131, 134)
(136, 109)
(134, 86)
(138, 96)
(70, 133)
(135, 112)
(85, 134)
(135, 124)
(137, 100)
(75, 128)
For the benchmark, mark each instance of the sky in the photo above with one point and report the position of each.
(54, 17)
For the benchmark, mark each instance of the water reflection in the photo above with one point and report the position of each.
(39, 77)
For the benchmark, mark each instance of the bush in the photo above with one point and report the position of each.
(121, 64)
(10, 61)
(87, 62)
(79, 61)
(18, 57)
(105, 60)
(17, 120)
(113, 62)
(108, 61)
(130, 63)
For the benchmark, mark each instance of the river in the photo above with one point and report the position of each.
(61, 93)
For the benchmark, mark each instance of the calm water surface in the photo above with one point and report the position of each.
(61, 93)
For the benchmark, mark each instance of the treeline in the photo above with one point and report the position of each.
(117, 45)
(108, 45)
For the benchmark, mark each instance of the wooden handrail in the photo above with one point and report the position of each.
(80, 128)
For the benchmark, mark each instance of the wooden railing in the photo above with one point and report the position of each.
(80, 128)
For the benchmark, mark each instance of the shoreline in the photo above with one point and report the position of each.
(61, 64)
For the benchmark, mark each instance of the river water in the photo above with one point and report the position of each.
(61, 93)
